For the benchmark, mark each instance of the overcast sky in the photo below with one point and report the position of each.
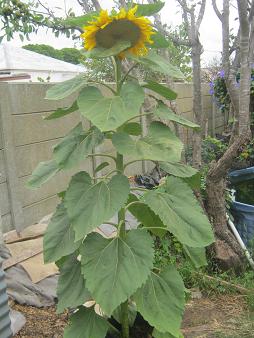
(210, 32)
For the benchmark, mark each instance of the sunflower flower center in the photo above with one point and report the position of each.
(118, 30)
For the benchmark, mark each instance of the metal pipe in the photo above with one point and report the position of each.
(240, 241)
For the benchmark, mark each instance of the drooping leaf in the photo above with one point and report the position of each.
(89, 205)
(86, 323)
(149, 9)
(60, 112)
(157, 63)
(71, 288)
(196, 255)
(132, 128)
(160, 144)
(146, 216)
(181, 213)
(161, 300)
(76, 146)
(101, 166)
(109, 266)
(100, 52)
(194, 181)
(164, 112)
(66, 88)
(178, 169)
(158, 88)
(159, 41)
(58, 240)
(80, 21)
(158, 334)
(42, 173)
(109, 113)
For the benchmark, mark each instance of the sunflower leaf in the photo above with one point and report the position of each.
(160, 144)
(71, 289)
(42, 173)
(179, 210)
(149, 9)
(159, 41)
(157, 63)
(86, 323)
(89, 205)
(60, 112)
(76, 146)
(100, 52)
(196, 255)
(178, 169)
(109, 113)
(79, 21)
(161, 300)
(58, 240)
(165, 113)
(110, 264)
(158, 88)
(66, 88)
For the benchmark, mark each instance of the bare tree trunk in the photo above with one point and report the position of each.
(227, 251)
(192, 24)
(197, 104)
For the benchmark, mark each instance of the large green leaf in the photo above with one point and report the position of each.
(100, 52)
(149, 9)
(132, 128)
(160, 144)
(85, 323)
(161, 300)
(115, 268)
(158, 88)
(178, 169)
(60, 112)
(71, 289)
(157, 63)
(76, 146)
(79, 21)
(146, 216)
(159, 41)
(42, 173)
(196, 255)
(180, 211)
(109, 113)
(58, 240)
(164, 112)
(66, 88)
(89, 205)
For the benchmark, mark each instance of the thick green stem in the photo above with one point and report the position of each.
(122, 234)
(121, 213)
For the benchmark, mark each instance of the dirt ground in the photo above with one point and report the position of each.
(218, 317)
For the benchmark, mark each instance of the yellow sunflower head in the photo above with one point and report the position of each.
(108, 30)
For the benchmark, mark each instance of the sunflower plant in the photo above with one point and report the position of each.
(108, 280)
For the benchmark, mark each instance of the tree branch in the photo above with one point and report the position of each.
(201, 14)
(216, 10)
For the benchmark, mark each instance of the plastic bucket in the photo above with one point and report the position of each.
(243, 213)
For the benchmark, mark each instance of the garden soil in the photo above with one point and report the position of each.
(215, 317)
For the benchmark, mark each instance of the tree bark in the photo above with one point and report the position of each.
(227, 251)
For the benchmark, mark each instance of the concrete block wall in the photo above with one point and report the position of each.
(27, 139)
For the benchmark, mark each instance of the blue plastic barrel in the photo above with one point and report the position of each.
(243, 213)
